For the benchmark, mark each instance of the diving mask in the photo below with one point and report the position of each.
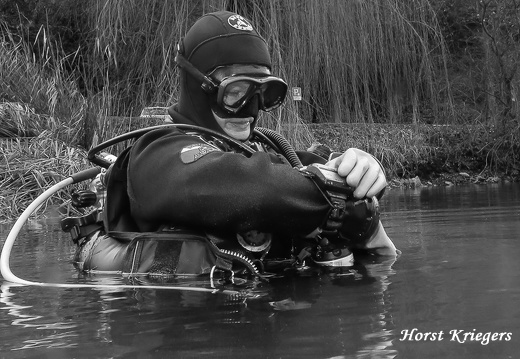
(234, 92)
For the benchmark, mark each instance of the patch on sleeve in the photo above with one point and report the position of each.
(196, 151)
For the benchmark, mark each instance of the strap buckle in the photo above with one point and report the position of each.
(82, 226)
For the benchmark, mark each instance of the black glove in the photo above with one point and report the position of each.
(335, 190)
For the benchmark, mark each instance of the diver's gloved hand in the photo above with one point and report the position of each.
(363, 230)
(379, 243)
(361, 171)
(335, 190)
(351, 223)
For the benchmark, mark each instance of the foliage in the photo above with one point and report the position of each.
(427, 87)
(483, 40)
(355, 61)
(500, 21)
(426, 151)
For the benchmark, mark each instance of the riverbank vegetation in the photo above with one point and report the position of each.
(430, 88)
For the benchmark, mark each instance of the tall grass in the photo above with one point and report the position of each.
(38, 99)
(30, 165)
(45, 96)
(409, 150)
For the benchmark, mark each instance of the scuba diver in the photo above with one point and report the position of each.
(214, 193)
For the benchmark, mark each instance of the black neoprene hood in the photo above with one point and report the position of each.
(217, 39)
(224, 38)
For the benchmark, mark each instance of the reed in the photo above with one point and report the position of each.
(409, 150)
(28, 166)
(38, 95)
(400, 148)
(38, 99)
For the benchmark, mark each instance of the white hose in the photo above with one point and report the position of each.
(8, 275)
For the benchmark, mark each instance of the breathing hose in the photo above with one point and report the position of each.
(8, 275)
(93, 157)
(271, 137)
(283, 145)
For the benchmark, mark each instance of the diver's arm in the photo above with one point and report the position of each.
(220, 190)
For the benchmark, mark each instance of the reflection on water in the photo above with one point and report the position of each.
(459, 271)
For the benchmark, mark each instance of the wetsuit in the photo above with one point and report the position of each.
(183, 180)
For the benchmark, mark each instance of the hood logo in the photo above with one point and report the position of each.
(239, 23)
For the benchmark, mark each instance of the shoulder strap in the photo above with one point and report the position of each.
(117, 208)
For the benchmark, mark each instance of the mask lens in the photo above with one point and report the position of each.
(273, 94)
(235, 92)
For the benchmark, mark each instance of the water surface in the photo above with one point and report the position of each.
(459, 271)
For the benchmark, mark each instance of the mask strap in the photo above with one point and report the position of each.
(206, 83)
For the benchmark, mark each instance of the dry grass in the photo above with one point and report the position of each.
(39, 99)
(429, 150)
(45, 96)
(398, 147)
(28, 166)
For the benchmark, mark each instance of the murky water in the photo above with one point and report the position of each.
(457, 279)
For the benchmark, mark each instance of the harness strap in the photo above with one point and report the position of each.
(81, 227)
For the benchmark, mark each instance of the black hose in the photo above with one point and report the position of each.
(282, 144)
(93, 153)
(274, 139)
